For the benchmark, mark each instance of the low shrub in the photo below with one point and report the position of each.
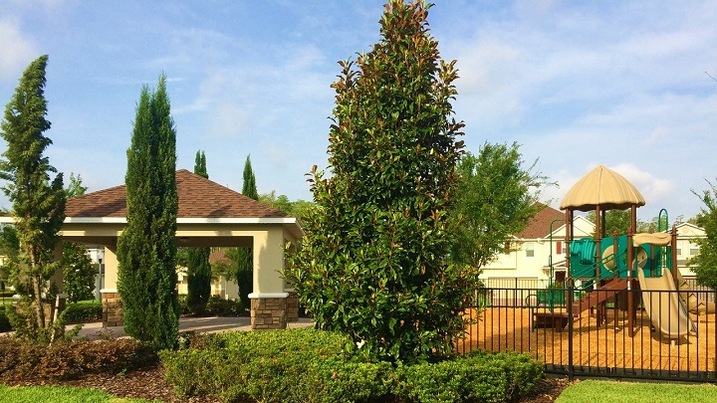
(4, 321)
(307, 365)
(216, 306)
(82, 312)
(479, 376)
(63, 361)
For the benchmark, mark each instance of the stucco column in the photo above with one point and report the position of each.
(111, 302)
(268, 301)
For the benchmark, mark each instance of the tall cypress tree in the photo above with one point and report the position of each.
(199, 271)
(38, 203)
(146, 250)
(373, 262)
(243, 257)
(249, 186)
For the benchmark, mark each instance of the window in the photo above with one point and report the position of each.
(694, 250)
(679, 251)
(529, 249)
(558, 248)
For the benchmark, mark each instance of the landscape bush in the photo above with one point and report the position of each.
(307, 365)
(69, 360)
(217, 306)
(478, 376)
(82, 312)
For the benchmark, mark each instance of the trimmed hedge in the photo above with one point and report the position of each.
(308, 365)
(62, 361)
(82, 312)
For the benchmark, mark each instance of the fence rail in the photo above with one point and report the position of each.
(673, 334)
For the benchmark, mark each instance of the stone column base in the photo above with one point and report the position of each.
(268, 311)
(111, 308)
(292, 307)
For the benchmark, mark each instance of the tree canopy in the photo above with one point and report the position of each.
(496, 197)
(373, 262)
(705, 263)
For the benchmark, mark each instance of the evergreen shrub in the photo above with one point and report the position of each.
(309, 365)
(82, 312)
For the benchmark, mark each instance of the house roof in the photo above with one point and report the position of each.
(539, 226)
(198, 198)
(602, 187)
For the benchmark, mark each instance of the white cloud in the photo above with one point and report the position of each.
(17, 50)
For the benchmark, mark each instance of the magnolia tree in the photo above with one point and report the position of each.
(373, 262)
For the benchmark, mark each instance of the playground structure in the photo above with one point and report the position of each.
(620, 268)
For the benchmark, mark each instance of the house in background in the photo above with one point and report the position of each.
(687, 248)
(528, 255)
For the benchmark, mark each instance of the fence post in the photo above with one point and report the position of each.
(569, 302)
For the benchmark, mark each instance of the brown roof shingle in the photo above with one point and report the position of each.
(198, 198)
(539, 226)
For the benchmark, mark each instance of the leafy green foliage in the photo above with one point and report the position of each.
(75, 187)
(705, 264)
(78, 272)
(217, 306)
(478, 377)
(300, 209)
(83, 312)
(496, 197)
(146, 250)
(373, 262)
(307, 365)
(38, 204)
(618, 222)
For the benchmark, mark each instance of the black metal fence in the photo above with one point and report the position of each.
(576, 332)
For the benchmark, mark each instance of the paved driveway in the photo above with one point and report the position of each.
(199, 325)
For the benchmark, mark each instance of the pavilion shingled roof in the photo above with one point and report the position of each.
(198, 198)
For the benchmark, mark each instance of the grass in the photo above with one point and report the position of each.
(611, 391)
(36, 394)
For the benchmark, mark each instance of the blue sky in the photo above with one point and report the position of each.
(621, 84)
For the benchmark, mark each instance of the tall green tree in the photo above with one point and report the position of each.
(705, 263)
(249, 185)
(78, 271)
(496, 197)
(146, 251)
(38, 203)
(373, 262)
(243, 257)
(199, 271)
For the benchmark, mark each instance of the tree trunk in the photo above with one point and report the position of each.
(39, 308)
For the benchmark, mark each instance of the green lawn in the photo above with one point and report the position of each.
(37, 394)
(611, 391)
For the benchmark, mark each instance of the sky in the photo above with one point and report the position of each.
(576, 84)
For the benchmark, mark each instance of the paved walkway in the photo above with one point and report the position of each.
(200, 325)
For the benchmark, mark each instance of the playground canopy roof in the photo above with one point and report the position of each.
(602, 187)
